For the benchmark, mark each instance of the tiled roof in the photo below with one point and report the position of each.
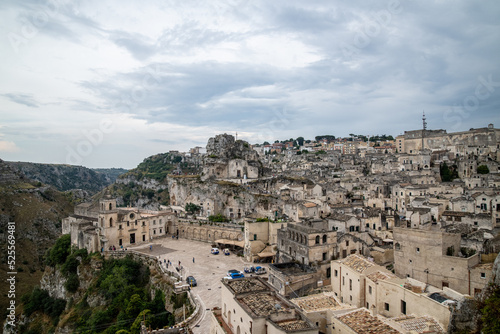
(357, 263)
(263, 304)
(319, 302)
(419, 325)
(362, 322)
(380, 276)
(293, 325)
(245, 285)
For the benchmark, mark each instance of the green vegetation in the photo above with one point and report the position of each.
(483, 169)
(327, 137)
(265, 219)
(123, 283)
(320, 152)
(158, 166)
(491, 313)
(448, 174)
(218, 218)
(192, 208)
(39, 300)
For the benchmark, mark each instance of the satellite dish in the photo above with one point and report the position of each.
(277, 307)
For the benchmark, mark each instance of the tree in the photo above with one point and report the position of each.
(300, 141)
(445, 172)
(483, 169)
(192, 208)
(266, 143)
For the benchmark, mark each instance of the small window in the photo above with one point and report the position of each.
(483, 275)
(336, 273)
(418, 249)
(386, 306)
(347, 243)
(369, 289)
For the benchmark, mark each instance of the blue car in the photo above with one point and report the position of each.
(234, 276)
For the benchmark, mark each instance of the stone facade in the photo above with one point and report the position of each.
(101, 226)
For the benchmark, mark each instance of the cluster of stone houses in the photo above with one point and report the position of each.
(379, 229)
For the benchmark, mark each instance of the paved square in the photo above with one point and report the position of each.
(208, 270)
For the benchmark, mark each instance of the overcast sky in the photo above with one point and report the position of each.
(109, 83)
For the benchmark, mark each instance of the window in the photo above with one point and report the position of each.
(336, 273)
(324, 238)
(347, 243)
(368, 305)
(369, 289)
(317, 239)
(350, 284)
(255, 237)
(483, 275)
(475, 224)
(343, 280)
(397, 246)
(403, 307)
(386, 306)
(350, 297)
(324, 256)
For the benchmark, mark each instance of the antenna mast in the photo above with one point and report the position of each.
(424, 128)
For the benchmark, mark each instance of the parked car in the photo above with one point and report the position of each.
(249, 270)
(214, 251)
(226, 252)
(233, 271)
(260, 270)
(234, 275)
(191, 281)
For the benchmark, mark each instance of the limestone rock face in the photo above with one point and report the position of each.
(53, 281)
(225, 147)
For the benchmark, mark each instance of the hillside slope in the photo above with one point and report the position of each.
(67, 177)
(37, 212)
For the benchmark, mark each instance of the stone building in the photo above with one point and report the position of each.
(478, 141)
(293, 279)
(250, 305)
(103, 225)
(309, 243)
(361, 283)
(432, 256)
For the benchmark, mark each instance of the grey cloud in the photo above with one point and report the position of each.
(24, 99)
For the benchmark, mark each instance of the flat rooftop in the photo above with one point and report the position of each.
(361, 321)
(292, 269)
